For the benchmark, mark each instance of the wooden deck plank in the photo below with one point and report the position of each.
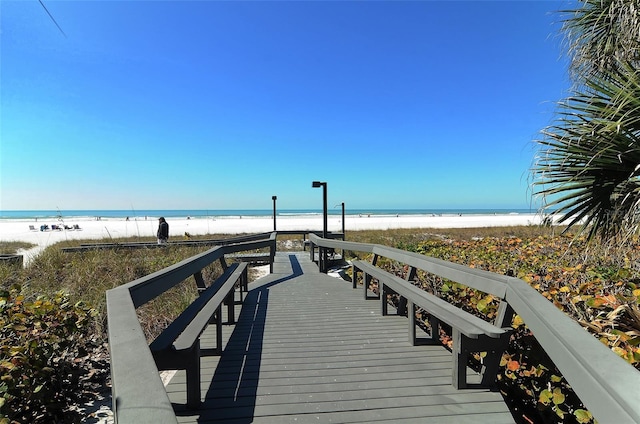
(308, 348)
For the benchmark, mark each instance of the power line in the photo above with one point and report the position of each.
(52, 18)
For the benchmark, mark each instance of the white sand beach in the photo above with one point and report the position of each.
(115, 228)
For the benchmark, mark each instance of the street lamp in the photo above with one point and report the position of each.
(274, 198)
(343, 237)
(323, 254)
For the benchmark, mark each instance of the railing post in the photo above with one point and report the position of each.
(505, 315)
(199, 281)
(223, 263)
(402, 302)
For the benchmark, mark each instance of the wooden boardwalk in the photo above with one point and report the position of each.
(308, 348)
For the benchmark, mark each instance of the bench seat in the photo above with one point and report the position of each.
(262, 258)
(178, 346)
(469, 332)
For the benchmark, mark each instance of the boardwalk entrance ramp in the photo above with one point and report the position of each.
(308, 348)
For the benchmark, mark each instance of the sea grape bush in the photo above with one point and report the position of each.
(52, 345)
(599, 289)
(41, 341)
(597, 286)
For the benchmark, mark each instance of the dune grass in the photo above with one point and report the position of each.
(11, 247)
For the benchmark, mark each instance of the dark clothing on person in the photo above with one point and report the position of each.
(163, 231)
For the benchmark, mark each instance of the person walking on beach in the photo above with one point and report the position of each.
(163, 231)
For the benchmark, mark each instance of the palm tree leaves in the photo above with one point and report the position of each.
(588, 165)
(602, 34)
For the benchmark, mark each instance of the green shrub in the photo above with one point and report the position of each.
(41, 342)
(596, 285)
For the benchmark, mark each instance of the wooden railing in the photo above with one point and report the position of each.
(607, 385)
(138, 394)
(153, 244)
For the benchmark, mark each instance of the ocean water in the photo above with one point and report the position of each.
(229, 213)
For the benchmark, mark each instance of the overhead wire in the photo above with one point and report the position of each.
(52, 18)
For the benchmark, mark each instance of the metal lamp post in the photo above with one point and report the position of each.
(323, 251)
(274, 198)
(343, 237)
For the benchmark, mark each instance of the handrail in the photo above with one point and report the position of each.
(603, 381)
(137, 391)
(338, 244)
(153, 244)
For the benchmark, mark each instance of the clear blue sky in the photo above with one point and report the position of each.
(222, 104)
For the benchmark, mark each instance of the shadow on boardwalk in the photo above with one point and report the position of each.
(234, 385)
(309, 348)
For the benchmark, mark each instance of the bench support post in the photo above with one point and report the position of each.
(231, 301)
(411, 314)
(491, 363)
(462, 346)
(218, 321)
(243, 284)
(366, 279)
(384, 306)
(354, 276)
(402, 306)
(193, 377)
(434, 322)
(460, 359)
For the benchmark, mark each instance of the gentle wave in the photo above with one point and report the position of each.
(141, 215)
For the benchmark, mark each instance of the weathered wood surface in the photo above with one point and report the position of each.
(308, 348)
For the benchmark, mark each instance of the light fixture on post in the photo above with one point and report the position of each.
(323, 251)
(274, 198)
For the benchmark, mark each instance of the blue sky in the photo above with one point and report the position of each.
(222, 104)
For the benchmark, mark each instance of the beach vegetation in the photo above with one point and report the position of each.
(587, 169)
(12, 247)
(596, 284)
(42, 301)
(42, 355)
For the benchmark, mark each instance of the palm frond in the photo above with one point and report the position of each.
(602, 34)
(588, 166)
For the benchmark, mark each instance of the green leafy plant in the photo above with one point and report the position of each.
(587, 166)
(594, 284)
(41, 342)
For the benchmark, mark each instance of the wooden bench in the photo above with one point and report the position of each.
(178, 346)
(252, 258)
(469, 332)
